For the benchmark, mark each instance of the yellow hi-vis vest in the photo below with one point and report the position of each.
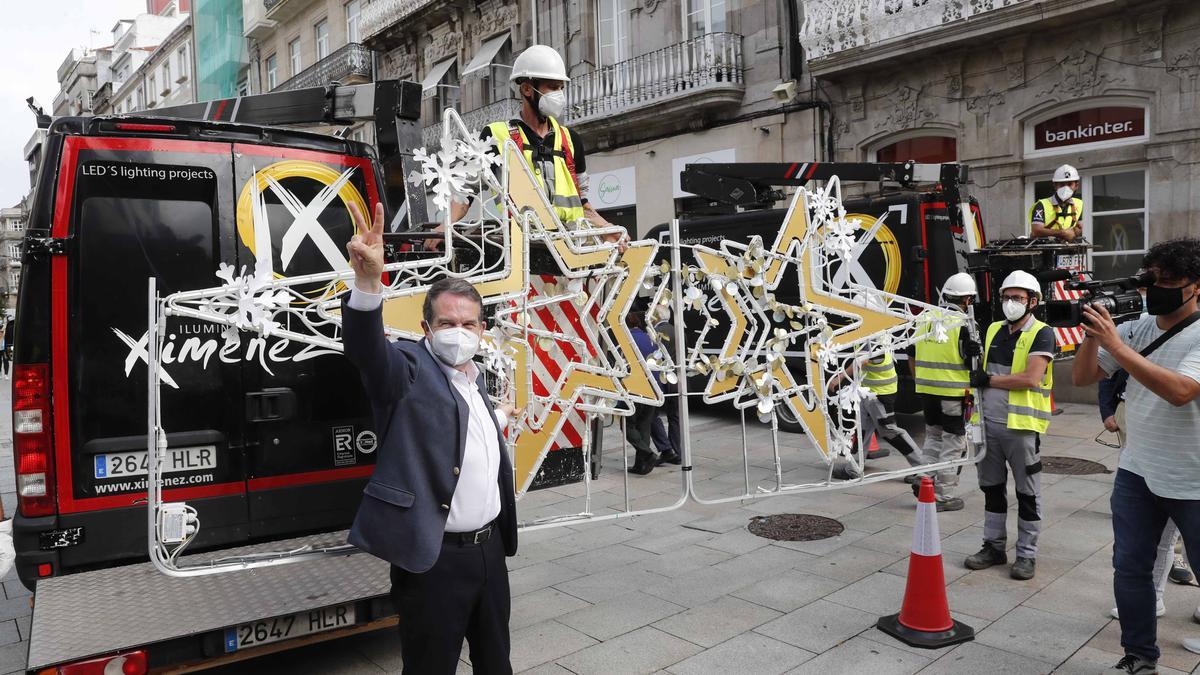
(1055, 220)
(940, 369)
(879, 375)
(1028, 409)
(562, 191)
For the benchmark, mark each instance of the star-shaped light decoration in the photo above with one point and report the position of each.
(750, 368)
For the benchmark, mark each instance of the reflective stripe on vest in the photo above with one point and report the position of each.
(940, 369)
(1059, 221)
(1028, 409)
(560, 187)
(880, 376)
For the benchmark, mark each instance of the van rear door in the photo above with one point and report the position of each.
(133, 208)
(310, 441)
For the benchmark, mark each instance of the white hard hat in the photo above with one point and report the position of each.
(1022, 279)
(538, 62)
(959, 285)
(1065, 174)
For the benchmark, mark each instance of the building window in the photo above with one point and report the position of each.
(272, 72)
(294, 56)
(612, 27)
(166, 74)
(448, 93)
(14, 251)
(140, 97)
(14, 278)
(923, 149)
(153, 98)
(243, 86)
(701, 17)
(495, 79)
(321, 33)
(182, 62)
(1114, 218)
(353, 8)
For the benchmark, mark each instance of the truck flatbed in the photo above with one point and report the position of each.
(100, 612)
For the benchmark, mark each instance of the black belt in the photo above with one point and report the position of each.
(473, 538)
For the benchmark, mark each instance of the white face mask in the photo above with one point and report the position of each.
(1014, 311)
(1064, 193)
(552, 104)
(454, 346)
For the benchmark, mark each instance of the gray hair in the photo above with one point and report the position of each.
(453, 287)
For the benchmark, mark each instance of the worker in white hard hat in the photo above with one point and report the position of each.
(1061, 214)
(554, 153)
(942, 376)
(1015, 382)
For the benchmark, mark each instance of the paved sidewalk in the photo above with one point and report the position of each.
(15, 612)
(692, 591)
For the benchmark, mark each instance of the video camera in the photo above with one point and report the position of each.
(1119, 296)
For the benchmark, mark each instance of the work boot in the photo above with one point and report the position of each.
(672, 458)
(879, 453)
(986, 557)
(842, 472)
(1023, 568)
(643, 464)
(1136, 665)
(1180, 573)
(951, 504)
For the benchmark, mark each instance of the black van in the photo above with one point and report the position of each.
(268, 438)
(912, 255)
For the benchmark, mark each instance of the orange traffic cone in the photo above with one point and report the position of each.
(924, 619)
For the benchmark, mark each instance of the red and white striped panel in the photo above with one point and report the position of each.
(548, 366)
(1066, 336)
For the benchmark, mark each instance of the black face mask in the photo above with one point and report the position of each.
(1160, 301)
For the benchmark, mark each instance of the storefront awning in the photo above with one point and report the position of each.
(435, 75)
(487, 52)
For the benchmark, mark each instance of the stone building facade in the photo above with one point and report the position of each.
(655, 83)
(1015, 88)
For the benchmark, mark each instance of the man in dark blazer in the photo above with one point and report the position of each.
(440, 506)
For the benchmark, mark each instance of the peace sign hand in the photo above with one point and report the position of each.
(366, 250)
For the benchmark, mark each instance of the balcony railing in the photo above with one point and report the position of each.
(712, 61)
(350, 64)
(382, 14)
(506, 109)
(832, 26)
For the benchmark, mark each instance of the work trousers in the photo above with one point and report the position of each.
(1139, 517)
(945, 439)
(668, 440)
(639, 429)
(464, 595)
(1017, 450)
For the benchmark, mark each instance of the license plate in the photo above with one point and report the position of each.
(176, 460)
(266, 631)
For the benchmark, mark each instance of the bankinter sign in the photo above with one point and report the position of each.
(1089, 126)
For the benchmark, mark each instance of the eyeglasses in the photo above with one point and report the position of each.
(1014, 298)
(1107, 444)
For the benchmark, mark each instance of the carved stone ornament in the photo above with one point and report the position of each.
(1150, 35)
(443, 48)
(1080, 74)
(904, 110)
(398, 63)
(496, 20)
(651, 5)
(984, 103)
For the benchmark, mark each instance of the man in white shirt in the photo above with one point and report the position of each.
(1159, 472)
(440, 506)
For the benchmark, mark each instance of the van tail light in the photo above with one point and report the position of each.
(32, 443)
(129, 663)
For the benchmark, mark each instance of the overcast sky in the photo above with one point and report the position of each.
(36, 36)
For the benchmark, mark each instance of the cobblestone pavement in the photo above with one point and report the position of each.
(690, 590)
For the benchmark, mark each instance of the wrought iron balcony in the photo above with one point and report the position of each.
(350, 64)
(702, 71)
(475, 121)
(382, 14)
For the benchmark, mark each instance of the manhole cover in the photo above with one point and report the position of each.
(795, 527)
(1071, 466)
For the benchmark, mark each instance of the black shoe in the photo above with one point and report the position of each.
(672, 458)
(986, 557)
(644, 463)
(1180, 573)
(878, 454)
(1023, 568)
(1132, 663)
(842, 472)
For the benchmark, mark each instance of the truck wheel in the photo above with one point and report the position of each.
(787, 420)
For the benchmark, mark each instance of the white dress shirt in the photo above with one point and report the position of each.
(476, 500)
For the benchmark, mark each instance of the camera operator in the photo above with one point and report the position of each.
(1158, 476)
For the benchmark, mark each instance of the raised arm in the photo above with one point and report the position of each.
(386, 371)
